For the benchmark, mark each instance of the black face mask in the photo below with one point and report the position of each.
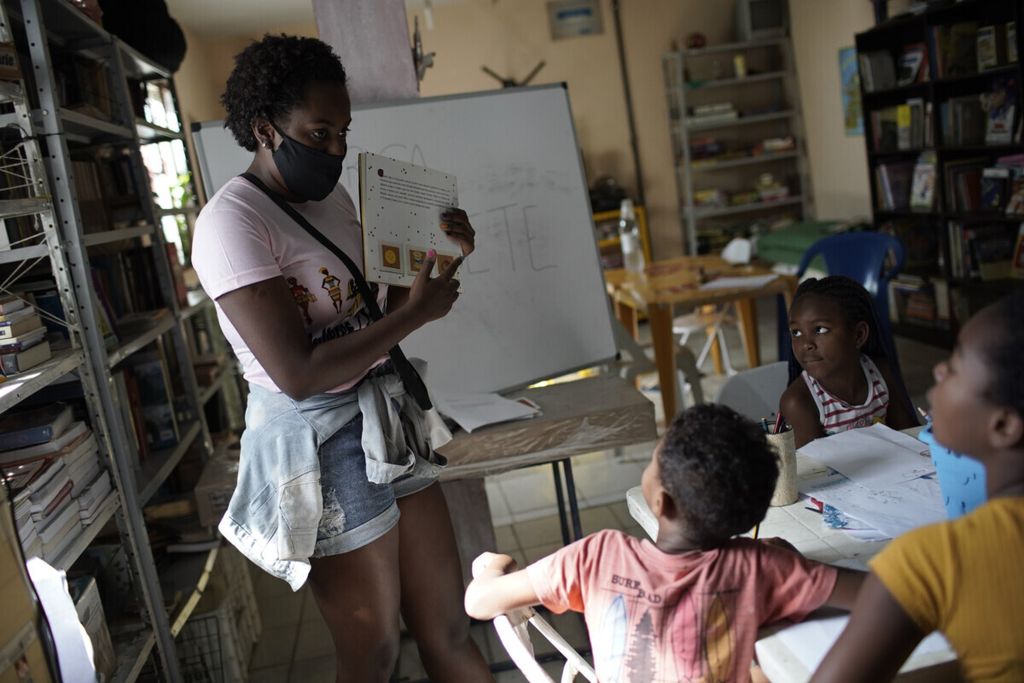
(307, 173)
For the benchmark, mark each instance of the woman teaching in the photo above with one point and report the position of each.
(338, 473)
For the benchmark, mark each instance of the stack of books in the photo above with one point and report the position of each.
(23, 343)
(52, 463)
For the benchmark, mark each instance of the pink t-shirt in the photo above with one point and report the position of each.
(654, 616)
(242, 238)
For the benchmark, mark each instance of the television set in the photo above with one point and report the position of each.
(760, 19)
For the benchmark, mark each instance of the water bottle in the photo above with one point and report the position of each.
(629, 238)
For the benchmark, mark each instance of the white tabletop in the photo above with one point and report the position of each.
(789, 654)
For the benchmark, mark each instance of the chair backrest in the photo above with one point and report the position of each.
(861, 256)
(514, 635)
(755, 393)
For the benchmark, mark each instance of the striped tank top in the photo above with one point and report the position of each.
(836, 415)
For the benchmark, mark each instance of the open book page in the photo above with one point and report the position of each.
(400, 207)
(472, 411)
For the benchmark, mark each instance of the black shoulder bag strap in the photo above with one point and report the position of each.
(410, 378)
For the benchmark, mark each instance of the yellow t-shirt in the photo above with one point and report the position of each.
(966, 579)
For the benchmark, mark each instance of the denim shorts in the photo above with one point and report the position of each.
(356, 511)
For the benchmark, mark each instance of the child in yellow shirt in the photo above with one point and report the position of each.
(961, 577)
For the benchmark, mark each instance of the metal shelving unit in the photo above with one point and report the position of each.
(767, 104)
(39, 26)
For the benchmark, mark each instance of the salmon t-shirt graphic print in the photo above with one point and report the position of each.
(657, 617)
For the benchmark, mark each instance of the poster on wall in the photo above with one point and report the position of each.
(849, 80)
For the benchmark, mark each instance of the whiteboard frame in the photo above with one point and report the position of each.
(197, 128)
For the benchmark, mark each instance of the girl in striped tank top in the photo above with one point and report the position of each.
(840, 377)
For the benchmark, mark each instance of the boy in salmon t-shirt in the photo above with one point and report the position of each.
(688, 607)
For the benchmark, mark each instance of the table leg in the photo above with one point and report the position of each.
(574, 508)
(560, 502)
(716, 349)
(660, 318)
(626, 315)
(747, 314)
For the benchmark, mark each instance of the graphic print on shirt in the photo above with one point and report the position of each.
(610, 640)
(303, 297)
(642, 660)
(333, 286)
(686, 629)
(354, 296)
(717, 641)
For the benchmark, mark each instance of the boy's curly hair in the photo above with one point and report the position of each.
(270, 78)
(1006, 364)
(720, 471)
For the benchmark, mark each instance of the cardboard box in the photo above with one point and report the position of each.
(9, 70)
(30, 666)
(90, 613)
(15, 595)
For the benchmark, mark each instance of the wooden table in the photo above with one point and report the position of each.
(584, 416)
(677, 283)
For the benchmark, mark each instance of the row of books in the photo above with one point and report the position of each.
(144, 392)
(919, 301)
(967, 48)
(920, 243)
(976, 184)
(23, 342)
(108, 196)
(988, 118)
(985, 251)
(970, 185)
(904, 126)
(52, 464)
(878, 71)
(83, 85)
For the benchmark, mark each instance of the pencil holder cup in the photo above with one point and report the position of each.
(786, 491)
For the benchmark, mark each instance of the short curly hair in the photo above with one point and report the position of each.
(720, 471)
(270, 78)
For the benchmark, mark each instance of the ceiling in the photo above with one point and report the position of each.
(245, 17)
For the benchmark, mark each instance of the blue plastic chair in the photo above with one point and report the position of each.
(862, 256)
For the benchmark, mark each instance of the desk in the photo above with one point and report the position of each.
(584, 416)
(804, 529)
(676, 282)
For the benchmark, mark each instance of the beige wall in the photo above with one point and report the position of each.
(511, 37)
(838, 163)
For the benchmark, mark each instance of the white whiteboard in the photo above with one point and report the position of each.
(533, 302)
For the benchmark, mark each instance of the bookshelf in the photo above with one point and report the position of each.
(942, 126)
(99, 225)
(737, 137)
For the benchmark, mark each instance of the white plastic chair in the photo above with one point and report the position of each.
(738, 250)
(755, 393)
(635, 362)
(514, 635)
(712, 321)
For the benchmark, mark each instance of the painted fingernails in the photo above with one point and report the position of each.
(432, 253)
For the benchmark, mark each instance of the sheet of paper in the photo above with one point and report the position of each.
(810, 640)
(472, 411)
(744, 282)
(400, 208)
(876, 457)
(893, 511)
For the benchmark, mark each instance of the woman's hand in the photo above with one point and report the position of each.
(455, 224)
(432, 298)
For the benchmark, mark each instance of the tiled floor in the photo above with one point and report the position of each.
(296, 648)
